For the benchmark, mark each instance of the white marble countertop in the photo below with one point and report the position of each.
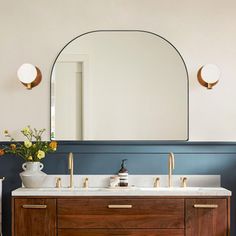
(132, 191)
(198, 185)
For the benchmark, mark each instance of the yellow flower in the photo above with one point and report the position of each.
(27, 144)
(30, 158)
(53, 145)
(13, 146)
(26, 131)
(2, 152)
(40, 154)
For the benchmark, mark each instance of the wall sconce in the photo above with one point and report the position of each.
(29, 75)
(208, 75)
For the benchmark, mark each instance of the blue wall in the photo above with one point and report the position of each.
(143, 158)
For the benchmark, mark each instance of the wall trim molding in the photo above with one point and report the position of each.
(141, 148)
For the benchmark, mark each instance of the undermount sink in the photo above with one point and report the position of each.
(118, 189)
(170, 189)
(68, 189)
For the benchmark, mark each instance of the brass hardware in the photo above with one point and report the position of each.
(203, 82)
(156, 182)
(210, 206)
(120, 206)
(34, 206)
(85, 184)
(58, 183)
(171, 166)
(183, 182)
(71, 169)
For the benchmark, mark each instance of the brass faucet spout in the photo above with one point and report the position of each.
(71, 169)
(171, 166)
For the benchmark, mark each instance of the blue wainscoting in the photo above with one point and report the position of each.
(143, 158)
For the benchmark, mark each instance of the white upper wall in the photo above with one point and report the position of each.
(203, 32)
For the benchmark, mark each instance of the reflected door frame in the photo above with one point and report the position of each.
(84, 61)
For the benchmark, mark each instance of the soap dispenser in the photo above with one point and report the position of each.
(123, 175)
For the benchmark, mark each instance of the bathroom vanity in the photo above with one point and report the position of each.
(134, 211)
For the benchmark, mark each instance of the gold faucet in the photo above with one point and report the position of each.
(71, 169)
(171, 166)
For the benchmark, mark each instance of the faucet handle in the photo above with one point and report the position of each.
(183, 182)
(156, 182)
(86, 182)
(58, 183)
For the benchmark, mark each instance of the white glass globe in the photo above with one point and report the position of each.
(27, 73)
(210, 73)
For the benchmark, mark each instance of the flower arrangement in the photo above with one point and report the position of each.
(32, 149)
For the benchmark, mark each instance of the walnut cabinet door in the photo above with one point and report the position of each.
(206, 217)
(34, 217)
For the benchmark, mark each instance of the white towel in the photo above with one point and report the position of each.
(1, 206)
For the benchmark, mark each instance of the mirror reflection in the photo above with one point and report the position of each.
(119, 85)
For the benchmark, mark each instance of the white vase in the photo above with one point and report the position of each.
(32, 176)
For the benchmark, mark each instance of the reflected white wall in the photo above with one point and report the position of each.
(136, 88)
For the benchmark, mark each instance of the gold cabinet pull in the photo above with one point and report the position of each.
(120, 206)
(34, 206)
(210, 206)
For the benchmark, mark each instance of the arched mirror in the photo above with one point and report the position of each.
(119, 85)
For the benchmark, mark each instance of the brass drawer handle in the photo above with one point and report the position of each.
(34, 206)
(120, 206)
(211, 206)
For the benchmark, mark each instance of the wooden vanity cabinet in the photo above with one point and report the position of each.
(120, 232)
(120, 213)
(120, 216)
(207, 217)
(34, 217)
(129, 216)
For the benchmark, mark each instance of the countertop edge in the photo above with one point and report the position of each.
(207, 192)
